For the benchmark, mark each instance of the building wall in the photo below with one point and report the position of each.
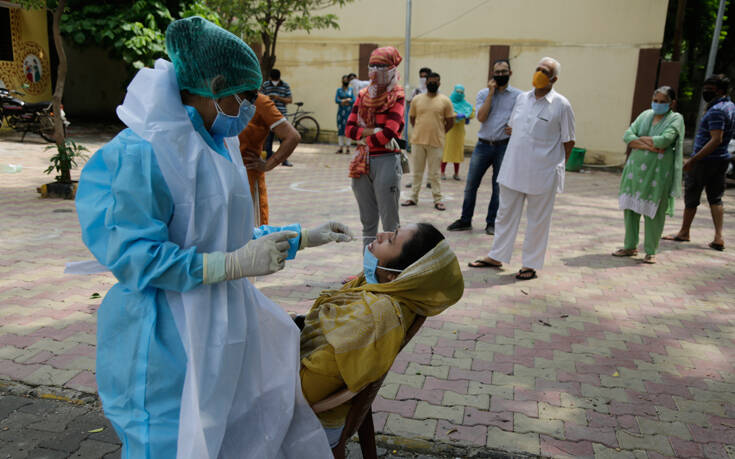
(31, 58)
(597, 42)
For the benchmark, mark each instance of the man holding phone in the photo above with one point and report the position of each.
(493, 106)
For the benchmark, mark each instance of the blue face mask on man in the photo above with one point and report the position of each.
(225, 125)
(370, 264)
(660, 108)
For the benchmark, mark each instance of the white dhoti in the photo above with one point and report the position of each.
(538, 215)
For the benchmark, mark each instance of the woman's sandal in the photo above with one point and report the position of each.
(675, 237)
(625, 253)
(650, 259)
(480, 263)
(439, 206)
(408, 202)
(526, 274)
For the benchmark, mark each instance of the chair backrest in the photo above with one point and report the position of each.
(362, 402)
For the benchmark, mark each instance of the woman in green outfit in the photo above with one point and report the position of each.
(652, 175)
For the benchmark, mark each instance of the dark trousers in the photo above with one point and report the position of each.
(484, 156)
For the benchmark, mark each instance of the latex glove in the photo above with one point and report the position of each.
(258, 257)
(392, 145)
(328, 232)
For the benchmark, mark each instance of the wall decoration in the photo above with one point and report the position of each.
(29, 72)
(32, 67)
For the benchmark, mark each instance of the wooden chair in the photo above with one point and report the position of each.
(360, 417)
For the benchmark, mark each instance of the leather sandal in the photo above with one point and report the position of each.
(526, 274)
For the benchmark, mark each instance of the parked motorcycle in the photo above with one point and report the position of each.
(37, 117)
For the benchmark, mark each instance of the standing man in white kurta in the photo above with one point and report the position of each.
(542, 127)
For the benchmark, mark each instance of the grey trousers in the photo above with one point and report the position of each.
(377, 195)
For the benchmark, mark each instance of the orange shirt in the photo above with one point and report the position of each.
(266, 117)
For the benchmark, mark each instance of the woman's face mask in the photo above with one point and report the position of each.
(370, 266)
(381, 76)
(225, 125)
(660, 108)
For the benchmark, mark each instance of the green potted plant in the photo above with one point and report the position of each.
(62, 162)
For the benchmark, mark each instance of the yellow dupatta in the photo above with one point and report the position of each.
(365, 323)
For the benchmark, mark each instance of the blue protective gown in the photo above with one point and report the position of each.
(124, 207)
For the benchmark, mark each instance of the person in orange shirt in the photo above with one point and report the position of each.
(267, 118)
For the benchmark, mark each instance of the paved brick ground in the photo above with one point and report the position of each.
(34, 426)
(598, 357)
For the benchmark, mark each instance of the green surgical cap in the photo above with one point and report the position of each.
(210, 61)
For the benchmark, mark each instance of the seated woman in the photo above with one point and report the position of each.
(352, 335)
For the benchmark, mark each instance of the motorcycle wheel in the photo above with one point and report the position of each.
(46, 129)
(12, 121)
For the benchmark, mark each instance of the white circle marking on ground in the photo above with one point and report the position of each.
(297, 186)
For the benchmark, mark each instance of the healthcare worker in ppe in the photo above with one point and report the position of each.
(192, 360)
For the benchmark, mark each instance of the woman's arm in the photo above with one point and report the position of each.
(392, 127)
(669, 136)
(631, 133)
(352, 130)
(124, 207)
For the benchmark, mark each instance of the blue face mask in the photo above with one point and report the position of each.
(370, 264)
(229, 126)
(659, 108)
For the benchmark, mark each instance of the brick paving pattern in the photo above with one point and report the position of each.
(599, 357)
(43, 428)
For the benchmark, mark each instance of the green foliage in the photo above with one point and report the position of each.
(260, 21)
(134, 31)
(253, 20)
(65, 159)
(699, 24)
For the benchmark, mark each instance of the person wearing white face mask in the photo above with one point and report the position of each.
(183, 336)
(424, 73)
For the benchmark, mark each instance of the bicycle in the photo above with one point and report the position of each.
(306, 125)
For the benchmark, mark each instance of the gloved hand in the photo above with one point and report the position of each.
(258, 257)
(392, 145)
(328, 232)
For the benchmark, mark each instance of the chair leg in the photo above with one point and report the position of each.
(339, 451)
(366, 432)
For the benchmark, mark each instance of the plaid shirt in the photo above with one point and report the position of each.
(282, 90)
(391, 123)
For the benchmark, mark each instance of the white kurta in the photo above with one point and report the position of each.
(533, 171)
(534, 160)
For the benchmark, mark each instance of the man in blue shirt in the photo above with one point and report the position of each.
(706, 169)
(494, 106)
(280, 93)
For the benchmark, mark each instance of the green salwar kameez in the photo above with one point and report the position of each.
(651, 180)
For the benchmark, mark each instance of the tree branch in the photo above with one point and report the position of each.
(60, 75)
